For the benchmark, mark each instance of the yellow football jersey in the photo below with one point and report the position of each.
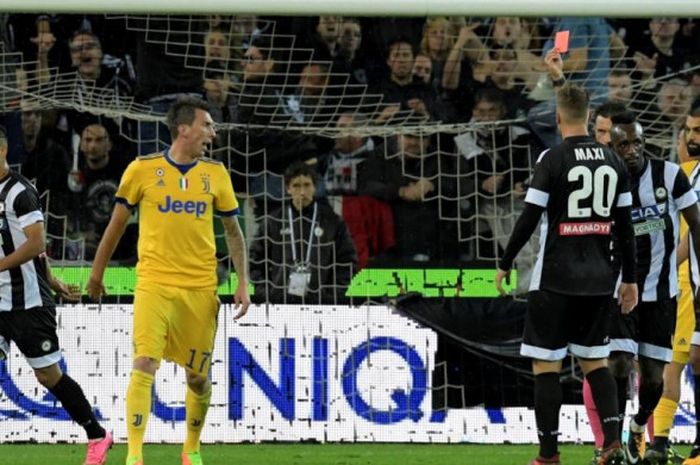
(176, 205)
(684, 270)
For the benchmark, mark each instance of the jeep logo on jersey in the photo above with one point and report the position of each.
(651, 211)
(178, 206)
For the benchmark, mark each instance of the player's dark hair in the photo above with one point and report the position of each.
(626, 117)
(572, 103)
(610, 109)
(183, 112)
(3, 137)
(297, 169)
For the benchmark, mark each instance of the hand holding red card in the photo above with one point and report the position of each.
(561, 41)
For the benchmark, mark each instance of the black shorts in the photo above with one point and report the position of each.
(34, 333)
(556, 323)
(647, 331)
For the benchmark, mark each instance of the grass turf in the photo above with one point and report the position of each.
(302, 454)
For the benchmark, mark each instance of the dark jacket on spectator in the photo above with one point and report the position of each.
(416, 89)
(418, 228)
(333, 257)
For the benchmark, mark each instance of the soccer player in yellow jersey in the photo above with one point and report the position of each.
(177, 193)
(683, 351)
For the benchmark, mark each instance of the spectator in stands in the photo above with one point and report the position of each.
(602, 121)
(325, 41)
(87, 57)
(408, 180)
(100, 172)
(620, 86)
(694, 80)
(379, 33)
(217, 21)
(503, 77)
(273, 149)
(343, 173)
(217, 92)
(455, 81)
(658, 55)
(437, 45)
(35, 36)
(465, 51)
(44, 161)
(401, 89)
(499, 157)
(257, 99)
(240, 31)
(423, 68)
(246, 29)
(44, 42)
(303, 253)
(308, 104)
(164, 46)
(510, 32)
(216, 45)
(92, 64)
(348, 60)
(342, 169)
(664, 117)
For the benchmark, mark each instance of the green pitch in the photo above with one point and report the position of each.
(302, 454)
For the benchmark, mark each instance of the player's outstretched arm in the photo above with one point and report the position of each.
(554, 65)
(237, 251)
(32, 247)
(110, 239)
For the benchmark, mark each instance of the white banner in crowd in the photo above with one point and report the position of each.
(283, 373)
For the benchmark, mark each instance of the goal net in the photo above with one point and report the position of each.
(421, 133)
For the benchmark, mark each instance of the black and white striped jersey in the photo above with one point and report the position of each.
(583, 188)
(658, 195)
(692, 258)
(26, 286)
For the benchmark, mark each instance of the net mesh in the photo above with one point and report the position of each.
(433, 177)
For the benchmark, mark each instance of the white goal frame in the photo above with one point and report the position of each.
(621, 8)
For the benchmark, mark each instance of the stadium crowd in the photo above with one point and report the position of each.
(421, 133)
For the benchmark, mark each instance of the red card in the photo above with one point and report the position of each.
(561, 41)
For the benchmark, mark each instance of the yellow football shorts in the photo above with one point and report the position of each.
(685, 324)
(175, 324)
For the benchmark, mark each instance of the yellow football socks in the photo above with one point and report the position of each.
(664, 413)
(138, 407)
(196, 406)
